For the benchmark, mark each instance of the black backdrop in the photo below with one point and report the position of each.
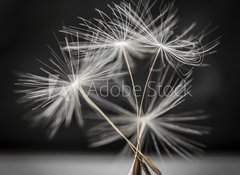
(27, 28)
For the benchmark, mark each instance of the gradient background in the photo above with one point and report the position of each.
(27, 28)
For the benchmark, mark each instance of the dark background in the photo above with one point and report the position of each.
(27, 28)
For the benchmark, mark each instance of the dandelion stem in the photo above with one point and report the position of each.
(137, 109)
(136, 156)
(131, 77)
(139, 135)
(134, 92)
(148, 78)
(144, 92)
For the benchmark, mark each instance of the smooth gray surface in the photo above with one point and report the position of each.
(110, 165)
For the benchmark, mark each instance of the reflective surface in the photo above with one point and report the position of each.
(111, 165)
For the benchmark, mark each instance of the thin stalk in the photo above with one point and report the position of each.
(148, 78)
(134, 93)
(136, 156)
(141, 103)
(131, 78)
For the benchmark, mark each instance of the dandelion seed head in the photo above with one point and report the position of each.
(54, 95)
(157, 124)
(132, 28)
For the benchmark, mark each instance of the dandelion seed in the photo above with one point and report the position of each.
(110, 35)
(55, 95)
(133, 28)
(156, 122)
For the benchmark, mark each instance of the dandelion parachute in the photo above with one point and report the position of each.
(102, 50)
